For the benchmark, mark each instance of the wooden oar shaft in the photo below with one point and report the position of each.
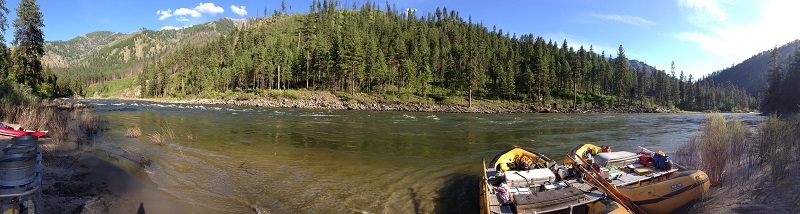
(485, 191)
(608, 188)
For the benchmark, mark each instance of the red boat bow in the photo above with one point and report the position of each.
(17, 133)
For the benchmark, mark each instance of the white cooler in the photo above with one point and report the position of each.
(529, 177)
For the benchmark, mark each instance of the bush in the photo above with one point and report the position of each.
(722, 144)
(133, 132)
(90, 124)
(291, 94)
(19, 105)
(778, 144)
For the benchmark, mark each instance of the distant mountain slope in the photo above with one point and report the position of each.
(147, 44)
(143, 45)
(65, 53)
(103, 56)
(751, 74)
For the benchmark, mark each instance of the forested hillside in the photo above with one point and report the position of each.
(781, 91)
(110, 56)
(438, 56)
(751, 74)
(60, 54)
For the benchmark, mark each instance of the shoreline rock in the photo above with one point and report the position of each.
(336, 104)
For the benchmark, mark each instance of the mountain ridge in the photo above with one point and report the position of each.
(104, 55)
(61, 54)
(751, 74)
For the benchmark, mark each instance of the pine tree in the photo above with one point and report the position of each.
(682, 89)
(29, 42)
(541, 66)
(789, 100)
(4, 59)
(773, 87)
(643, 82)
(621, 74)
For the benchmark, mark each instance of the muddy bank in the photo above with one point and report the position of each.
(76, 181)
(753, 191)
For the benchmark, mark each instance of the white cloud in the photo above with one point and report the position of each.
(209, 8)
(737, 42)
(239, 10)
(182, 19)
(705, 10)
(164, 14)
(170, 27)
(196, 12)
(633, 20)
(187, 12)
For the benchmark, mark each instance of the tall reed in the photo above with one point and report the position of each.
(161, 137)
(18, 105)
(133, 132)
(90, 124)
(722, 144)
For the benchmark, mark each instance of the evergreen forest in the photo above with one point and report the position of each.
(436, 56)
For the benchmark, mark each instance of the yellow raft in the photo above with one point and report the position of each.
(657, 191)
(510, 161)
(675, 190)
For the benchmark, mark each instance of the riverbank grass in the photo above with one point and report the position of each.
(779, 144)
(720, 146)
(133, 132)
(19, 106)
(757, 171)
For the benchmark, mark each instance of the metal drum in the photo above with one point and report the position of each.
(19, 149)
(17, 169)
(26, 140)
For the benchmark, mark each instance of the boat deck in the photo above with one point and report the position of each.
(546, 201)
(628, 178)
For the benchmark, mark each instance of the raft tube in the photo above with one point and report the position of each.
(675, 191)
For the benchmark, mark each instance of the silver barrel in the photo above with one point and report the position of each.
(26, 140)
(17, 169)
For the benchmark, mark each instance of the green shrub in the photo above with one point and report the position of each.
(778, 144)
(291, 94)
(721, 145)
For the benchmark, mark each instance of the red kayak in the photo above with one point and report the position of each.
(16, 133)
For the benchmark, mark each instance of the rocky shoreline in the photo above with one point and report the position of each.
(336, 104)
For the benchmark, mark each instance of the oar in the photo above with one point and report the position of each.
(608, 188)
(714, 182)
(485, 190)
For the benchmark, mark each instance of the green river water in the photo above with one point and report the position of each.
(246, 159)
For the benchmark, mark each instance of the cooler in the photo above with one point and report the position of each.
(529, 177)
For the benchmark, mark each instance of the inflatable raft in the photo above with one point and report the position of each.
(520, 181)
(650, 183)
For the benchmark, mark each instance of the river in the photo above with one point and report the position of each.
(245, 159)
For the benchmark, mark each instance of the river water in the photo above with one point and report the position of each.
(246, 159)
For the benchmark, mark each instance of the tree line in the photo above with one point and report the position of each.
(22, 62)
(383, 51)
(780, 95)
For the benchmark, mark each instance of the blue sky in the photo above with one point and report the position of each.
(701, 36)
